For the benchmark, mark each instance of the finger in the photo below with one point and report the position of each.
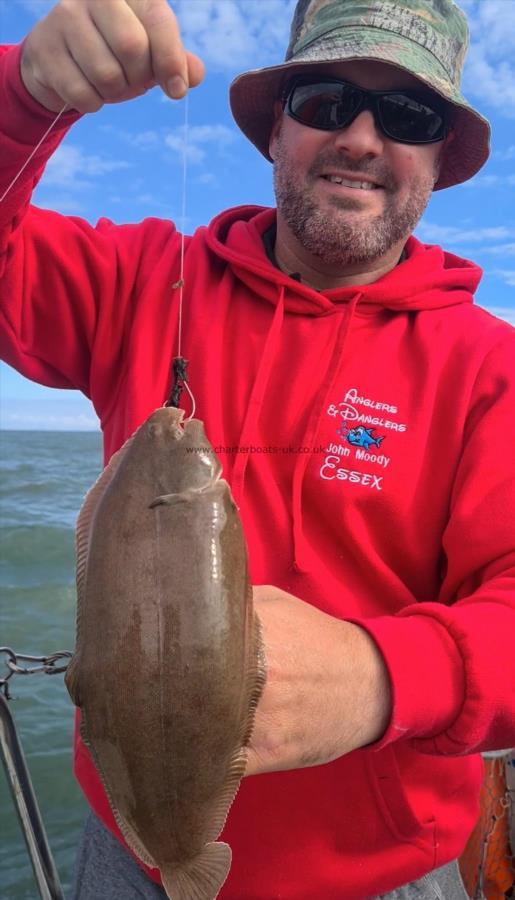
(71, 85)
(169, 62)
(196, 69)
(94, 58)
(127, 39)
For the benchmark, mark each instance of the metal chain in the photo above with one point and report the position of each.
(47, 665)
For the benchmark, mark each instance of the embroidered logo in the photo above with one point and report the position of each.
(364, 411)
(353, 413)
(360, 436)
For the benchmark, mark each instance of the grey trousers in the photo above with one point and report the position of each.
(105, 871)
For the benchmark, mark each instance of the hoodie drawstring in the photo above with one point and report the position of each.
(254, 408)
(319, 404)
(256, 396)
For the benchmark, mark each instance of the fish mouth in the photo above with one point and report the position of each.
(166, 420)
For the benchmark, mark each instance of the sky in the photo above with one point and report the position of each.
(125, 161)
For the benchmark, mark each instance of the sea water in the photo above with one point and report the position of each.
(43, 479)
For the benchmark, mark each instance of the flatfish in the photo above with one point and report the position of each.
(168, 666)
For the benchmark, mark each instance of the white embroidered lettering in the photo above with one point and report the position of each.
(330, 463)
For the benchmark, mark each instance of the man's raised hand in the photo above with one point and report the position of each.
(89, 52)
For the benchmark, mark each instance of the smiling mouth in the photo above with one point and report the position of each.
(347, 182)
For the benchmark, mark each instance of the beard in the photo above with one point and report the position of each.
(343, 234)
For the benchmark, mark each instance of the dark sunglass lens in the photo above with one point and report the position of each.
(407, 119)
(323, 105)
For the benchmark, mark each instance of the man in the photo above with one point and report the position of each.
(323, 327)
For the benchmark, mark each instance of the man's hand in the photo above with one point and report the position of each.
(89, 52)
(327, 690)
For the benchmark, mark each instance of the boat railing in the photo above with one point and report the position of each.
(17, 773)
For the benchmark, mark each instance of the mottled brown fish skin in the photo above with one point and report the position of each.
(168, 666)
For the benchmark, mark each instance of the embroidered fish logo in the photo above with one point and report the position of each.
(363, 437)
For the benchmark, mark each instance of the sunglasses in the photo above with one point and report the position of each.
(409, 117)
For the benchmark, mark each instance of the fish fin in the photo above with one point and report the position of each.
(199, 878)
(71, 680)
(83, 730)
(218, 813)
(185, 496)
(255, 677)
(133, 841)
(128, 833)
(85, 520)
(169, 499)
(380, 439)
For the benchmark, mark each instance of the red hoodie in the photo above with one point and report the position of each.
(375, 476)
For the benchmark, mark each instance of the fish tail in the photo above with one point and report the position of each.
(199, 878)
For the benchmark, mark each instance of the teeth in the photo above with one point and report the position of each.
(363, 185)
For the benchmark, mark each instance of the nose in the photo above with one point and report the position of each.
(361, 138)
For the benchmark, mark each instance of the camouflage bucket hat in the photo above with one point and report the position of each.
(427, 38)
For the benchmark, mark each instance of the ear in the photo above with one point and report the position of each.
(276, 127)
(449, 138)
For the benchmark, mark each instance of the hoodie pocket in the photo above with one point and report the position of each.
(393, 801)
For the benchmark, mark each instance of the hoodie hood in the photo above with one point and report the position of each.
(429, 277)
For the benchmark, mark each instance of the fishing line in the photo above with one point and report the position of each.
(36, 148)
(180, 364)
(183, 216)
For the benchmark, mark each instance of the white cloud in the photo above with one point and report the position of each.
(489, 181)
(489, 73)
(501, 249)
(66, 204)
(207, 178)
(482, 181)
(491, 23)
(431, 231)
(147, 198)
(69, 164)
(509, 153)
(504, 312)
(142, 140)
(145, 140)
(200, 138)
(156, 204)
(175, 142)
(220, 134)
(236, 34)
(508, 276)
